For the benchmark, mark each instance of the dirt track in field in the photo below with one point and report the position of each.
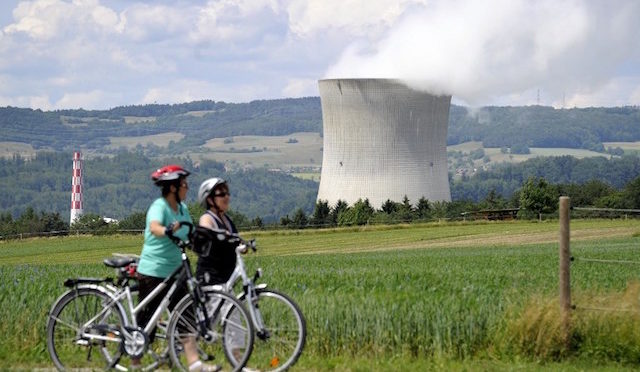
(493, 239)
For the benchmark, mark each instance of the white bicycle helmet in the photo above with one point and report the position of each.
(206, 187)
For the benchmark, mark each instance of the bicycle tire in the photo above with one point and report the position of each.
(229, 324)
(287, 327)
(66, 319)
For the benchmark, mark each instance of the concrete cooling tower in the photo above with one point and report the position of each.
(382, 140)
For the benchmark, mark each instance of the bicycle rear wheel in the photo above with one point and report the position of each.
(230, 331)
(282, 334)
(78, 327)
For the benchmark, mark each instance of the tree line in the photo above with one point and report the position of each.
(536, 197)
(119, 185)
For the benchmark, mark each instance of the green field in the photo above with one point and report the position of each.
(635, 146)
(161, 140)
(450, 296)
(9, 149)
(270, 151)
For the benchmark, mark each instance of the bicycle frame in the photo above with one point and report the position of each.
(119, 295)
(249, 288)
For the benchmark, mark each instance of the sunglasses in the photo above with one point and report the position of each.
(222, 194)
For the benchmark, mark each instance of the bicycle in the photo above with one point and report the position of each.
(91, 314)
(278, 321)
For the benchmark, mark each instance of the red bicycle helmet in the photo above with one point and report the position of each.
(168, 173)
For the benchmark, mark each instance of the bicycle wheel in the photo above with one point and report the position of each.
(282, 335)
(230, 331)
(76, 318)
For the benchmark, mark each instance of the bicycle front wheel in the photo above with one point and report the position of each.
(83, 331)
(229, 332)
(281, 331)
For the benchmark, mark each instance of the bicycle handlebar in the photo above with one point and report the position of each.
(179, 242)
(235, 238)
(221, 235)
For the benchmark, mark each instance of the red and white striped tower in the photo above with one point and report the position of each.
(76, 187)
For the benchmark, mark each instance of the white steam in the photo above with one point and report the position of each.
(480, 50)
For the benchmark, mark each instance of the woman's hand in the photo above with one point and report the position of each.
(159, 230)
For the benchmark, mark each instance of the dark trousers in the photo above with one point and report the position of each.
(146, 285)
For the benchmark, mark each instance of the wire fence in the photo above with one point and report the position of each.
(598, 212)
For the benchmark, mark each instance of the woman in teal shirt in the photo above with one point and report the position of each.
(160, 257)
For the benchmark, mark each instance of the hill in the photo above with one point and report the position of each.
(191, 125)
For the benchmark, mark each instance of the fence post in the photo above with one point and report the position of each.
(565, 277)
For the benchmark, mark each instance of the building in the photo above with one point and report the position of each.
(382, 140)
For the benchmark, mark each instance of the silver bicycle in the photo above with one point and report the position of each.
(280, 327)
(93, 325)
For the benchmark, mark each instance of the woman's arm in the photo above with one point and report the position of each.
(207, 221)
(158, 230)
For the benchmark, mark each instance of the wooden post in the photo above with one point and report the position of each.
(565, 278)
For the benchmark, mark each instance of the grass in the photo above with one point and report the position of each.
(623, 145)
(161, 140)
(8, 149)
(274, 151)
(450, 296)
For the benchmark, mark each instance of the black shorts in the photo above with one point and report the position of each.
(146, 285)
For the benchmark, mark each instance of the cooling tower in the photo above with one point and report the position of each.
(382, 140)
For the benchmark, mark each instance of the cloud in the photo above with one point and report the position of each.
(352, 17)
(192, 90)
(235, 20)
(495, 51)
(619, 91)
(479, 51)
(46, 19)
(87, 100)
(300, 88)
(153, 23)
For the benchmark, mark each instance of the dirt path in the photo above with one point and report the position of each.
(492, 239)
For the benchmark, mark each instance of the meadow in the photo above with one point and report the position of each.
(442, 296)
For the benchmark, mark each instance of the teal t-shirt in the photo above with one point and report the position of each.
(160, 257)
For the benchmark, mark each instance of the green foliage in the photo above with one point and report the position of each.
(359, 214)
(515, 127)
(273, 117)
(507, 179)
(338, 209)
(321, 214)
(538, 196)
(119, 185)
(538, 126)
(519, 148)
(90, 222)
(299, 220)
(134, 221)
(31, 222)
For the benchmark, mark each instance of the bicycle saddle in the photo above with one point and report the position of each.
(119, 261)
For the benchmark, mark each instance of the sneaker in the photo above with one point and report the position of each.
(198, 366)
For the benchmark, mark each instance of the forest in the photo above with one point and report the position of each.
(119, 187)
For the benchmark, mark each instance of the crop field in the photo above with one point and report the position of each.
(161, 140)
(497, 156)
(271, 151)
(444, 296)
(8, 149)
(138, 119)
(623, 145)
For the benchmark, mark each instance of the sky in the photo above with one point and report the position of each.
(99, 54)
